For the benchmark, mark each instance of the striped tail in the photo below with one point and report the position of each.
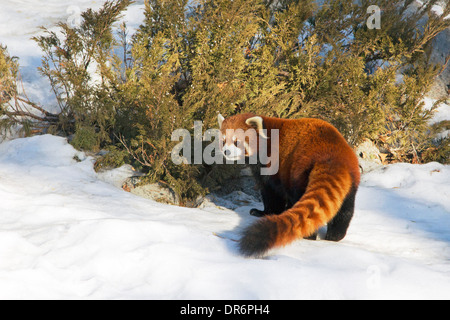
(327, 189)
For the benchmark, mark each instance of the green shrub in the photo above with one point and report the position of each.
(79, 65)
(190, 60)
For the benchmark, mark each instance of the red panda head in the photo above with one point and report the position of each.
(239, 135)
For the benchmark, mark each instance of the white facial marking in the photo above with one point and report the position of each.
(231, 152)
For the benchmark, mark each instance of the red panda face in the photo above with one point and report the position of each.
(232, 147)
(239, 137)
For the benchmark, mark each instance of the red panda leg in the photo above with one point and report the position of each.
(312, 237)
(273, 199)
(257, 213)
(337, 227)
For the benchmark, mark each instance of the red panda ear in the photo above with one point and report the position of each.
(257, 124)
(220, 118)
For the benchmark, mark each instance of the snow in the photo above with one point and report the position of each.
(67, 232)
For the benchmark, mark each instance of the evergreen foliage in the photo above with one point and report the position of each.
(190, 60)
(79, 64)
(8, 87)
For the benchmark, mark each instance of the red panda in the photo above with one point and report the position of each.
(315, 184)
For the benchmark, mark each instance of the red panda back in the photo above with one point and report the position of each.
(304, 142)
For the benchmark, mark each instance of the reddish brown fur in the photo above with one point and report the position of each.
(315, 163)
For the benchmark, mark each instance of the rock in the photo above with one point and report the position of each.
(369, 157)
(118, 176)
(441, 48)
(154, 191)
(210, 200)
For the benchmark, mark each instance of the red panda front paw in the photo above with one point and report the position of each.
(257, 213)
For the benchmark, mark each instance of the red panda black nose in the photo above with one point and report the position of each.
(227, 153)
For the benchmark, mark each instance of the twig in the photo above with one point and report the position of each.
(145, 158)
(444, 66)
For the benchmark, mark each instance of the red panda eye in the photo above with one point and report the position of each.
(236, 143)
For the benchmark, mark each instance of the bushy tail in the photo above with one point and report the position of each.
(327, 188)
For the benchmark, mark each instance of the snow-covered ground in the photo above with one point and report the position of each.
(66, 233)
